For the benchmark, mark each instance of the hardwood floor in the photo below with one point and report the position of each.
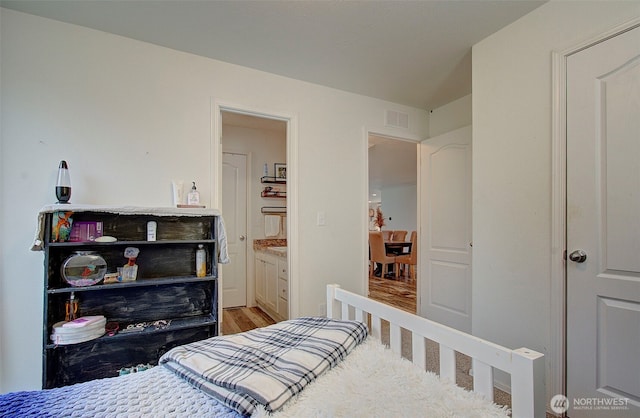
(235, 320)
(400, 292)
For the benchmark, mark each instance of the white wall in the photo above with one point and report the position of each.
(512, 167)
(130, 116)
(3, 209)
(450, 117)
(400, 204)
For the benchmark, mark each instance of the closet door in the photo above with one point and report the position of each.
(603, 228)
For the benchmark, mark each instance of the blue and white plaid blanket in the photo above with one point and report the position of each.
(268, 365)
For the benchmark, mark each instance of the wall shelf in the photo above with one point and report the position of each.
(273, 210)
(273, 194)
(272, 180)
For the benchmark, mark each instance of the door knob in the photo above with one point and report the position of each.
(242, 237)
(578, 256)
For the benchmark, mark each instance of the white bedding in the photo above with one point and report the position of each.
(371, 382)
(374, 382)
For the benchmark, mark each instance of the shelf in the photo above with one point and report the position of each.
(166, 288)
(274, 210)
(276, 195)
(135, 283)
(272, 180)
(175, 325)
(129, 243)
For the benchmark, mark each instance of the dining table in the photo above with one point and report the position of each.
(397, 247)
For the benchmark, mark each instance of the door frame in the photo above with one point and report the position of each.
(291, 119)
(556, 365)
(390, 134)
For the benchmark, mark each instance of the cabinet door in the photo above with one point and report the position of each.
(283, 289)
(283, 303)
(271, 283)
(260, 279)
(282, 268)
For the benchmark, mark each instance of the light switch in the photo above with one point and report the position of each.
(322, 221)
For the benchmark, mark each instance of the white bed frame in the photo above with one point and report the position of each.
(525, 366)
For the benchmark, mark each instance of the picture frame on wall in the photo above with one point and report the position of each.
(280, 170)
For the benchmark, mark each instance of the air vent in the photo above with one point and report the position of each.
(396, 119)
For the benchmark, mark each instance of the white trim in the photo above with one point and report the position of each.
(556, 355)
(556, 365)
(291, 119)
(365, 209)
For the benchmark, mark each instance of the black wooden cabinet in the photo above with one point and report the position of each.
(166, 291)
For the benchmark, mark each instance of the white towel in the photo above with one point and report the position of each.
(271, 225)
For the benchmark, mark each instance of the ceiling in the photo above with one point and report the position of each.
(416, 53)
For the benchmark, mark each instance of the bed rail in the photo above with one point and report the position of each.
(525, 366)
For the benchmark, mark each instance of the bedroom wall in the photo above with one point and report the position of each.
(3, 209)
(512, 87)
(451, 116)
(129, 117)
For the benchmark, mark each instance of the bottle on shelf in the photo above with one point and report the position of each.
(201, 261)
(193, 198)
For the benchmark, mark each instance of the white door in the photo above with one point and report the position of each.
(603, 221)
(445, 236)
(234, 212)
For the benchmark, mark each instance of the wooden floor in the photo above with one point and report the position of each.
(400, 293)
(235, 320)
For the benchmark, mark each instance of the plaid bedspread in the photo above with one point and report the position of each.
(268, 365)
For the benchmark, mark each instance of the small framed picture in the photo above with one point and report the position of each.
(280, 170)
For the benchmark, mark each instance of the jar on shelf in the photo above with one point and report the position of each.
(84, 268)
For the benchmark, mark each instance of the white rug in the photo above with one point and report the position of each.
(373, 382)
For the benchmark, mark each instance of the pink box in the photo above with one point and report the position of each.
(85, 231)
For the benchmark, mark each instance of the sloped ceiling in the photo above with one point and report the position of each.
(416, 53)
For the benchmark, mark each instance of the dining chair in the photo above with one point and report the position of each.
(387, 235)
(378, 253)
(410, 259)
(399, 236)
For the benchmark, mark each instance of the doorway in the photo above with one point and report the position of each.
(393, 206)
(249, 141)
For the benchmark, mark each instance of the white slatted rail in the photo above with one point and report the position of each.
(525, 366)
